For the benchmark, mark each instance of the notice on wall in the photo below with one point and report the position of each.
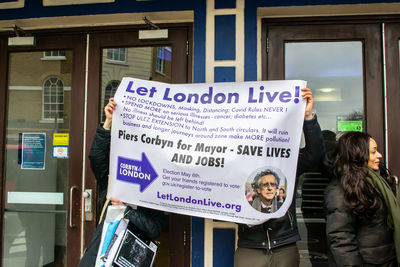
(33, 151)
(61, 145)
(197, 149)
(60, 139)
(60, 152)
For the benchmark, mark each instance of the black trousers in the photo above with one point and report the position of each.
(89, 257)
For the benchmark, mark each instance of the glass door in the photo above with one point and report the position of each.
(148, 63)
(42, 155)
(392, 52)
(342, 65)
(121, 54)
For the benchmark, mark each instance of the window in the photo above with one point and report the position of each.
(53, 98)
(164, 54)
(109, 91)
(54, 55)
(116, 54)
(160, 60)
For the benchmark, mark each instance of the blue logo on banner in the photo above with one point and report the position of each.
(136, 172)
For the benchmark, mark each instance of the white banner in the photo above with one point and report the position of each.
(197, 149)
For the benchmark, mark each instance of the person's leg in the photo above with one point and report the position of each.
(287, 256)
(245, 257)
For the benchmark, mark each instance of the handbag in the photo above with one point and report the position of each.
(131, 250)
(114, 224)
(116, 240)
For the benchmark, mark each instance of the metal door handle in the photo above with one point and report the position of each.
(88, 198)
(71, 193)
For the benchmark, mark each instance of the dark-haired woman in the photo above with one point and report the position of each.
(362, 212)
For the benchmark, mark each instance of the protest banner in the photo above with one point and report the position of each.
(195, 149)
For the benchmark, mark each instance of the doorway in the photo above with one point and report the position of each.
(120, 53)
(53, 95)
(42, 152)
(392, 53)
(341, 59)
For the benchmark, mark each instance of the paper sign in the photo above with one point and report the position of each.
(60, 152)
(33, 151)
(60, 139)
(347, 126)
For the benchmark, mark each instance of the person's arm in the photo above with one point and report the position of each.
(341, 230)
(307, 95)
(149, 221)
(99, 157)
(312, 155)
(100, 151)
(109, 110)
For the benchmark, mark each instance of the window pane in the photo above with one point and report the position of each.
(335, 74)
(54, 95)
(116, 54)
(139, 62)
(147, 63)
(34, 231)
(54, 53)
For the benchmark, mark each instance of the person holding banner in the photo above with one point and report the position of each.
(362, 211)
(273, 243)
(148, 222)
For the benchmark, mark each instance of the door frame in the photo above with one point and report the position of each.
(392, 37)
(52, 41)
(180, 37)
(3, 116)
(375, 114)
(380, 106)
(364, 29)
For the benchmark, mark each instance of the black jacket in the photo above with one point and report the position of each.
(283, 231)
(148, 223)
(353, 241)
(146, 220)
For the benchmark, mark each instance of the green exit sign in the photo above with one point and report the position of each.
(349, 126)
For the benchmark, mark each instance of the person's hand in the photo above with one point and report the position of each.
(108, 110)
(307, 95)
(116, 202)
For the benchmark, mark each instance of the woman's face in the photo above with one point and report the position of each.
(374, 155)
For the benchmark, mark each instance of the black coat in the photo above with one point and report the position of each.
(283, 231)
(147, 222)
(352, 240)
